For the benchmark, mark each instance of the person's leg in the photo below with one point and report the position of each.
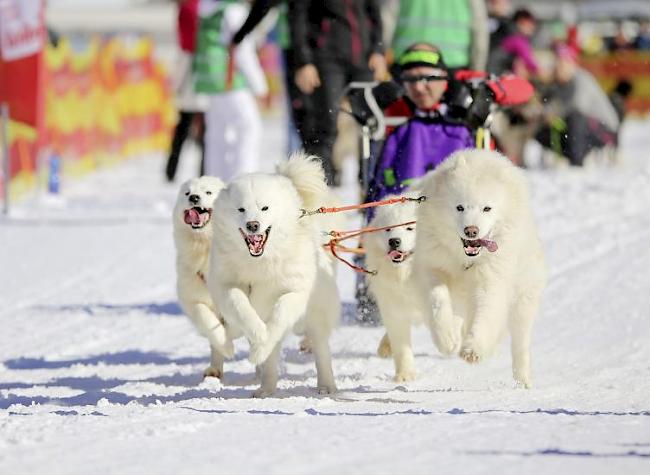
(200, 139)
(215, 135)
(576, 144)
(180, 134)
(247, 124)
(320, 129)
(296, 103)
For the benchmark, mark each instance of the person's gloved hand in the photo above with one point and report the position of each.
(481, 105)
(458, 98)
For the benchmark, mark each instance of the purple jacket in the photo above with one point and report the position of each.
(414, 149)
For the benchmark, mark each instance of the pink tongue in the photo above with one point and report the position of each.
(256, 241)
(395, 254)
(489, 245)
(192, 217)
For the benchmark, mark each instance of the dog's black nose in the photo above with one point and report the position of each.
(253, 226)
(194, 199)
(471, 231)
(394, 243)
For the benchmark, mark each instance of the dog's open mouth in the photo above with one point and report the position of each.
(398, 256)
(473, 247)
(197, 217)
(256, 242)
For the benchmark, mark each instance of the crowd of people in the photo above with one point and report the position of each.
(423, 46)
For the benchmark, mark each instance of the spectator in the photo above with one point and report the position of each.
(191, 106)
(334, 43)
(579, 116)
(458, 27)
(297, 101)
(618, 97)
(642, 40)
(515, 52)
(233, 122)
(500, 24)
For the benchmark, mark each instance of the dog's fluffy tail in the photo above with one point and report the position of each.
(307, 175)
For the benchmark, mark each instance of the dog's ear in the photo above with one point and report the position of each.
(307, 175)
(461, 162)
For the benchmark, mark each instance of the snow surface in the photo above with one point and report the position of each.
(100, 372)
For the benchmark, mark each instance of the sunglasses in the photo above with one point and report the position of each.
(411, 79)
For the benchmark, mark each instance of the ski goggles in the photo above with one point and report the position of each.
(439, 75)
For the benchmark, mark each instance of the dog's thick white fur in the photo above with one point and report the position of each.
(480, 258)
(193, 239)
(391, 254)
(269, 272)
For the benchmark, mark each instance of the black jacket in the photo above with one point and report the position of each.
(258, 11)
(347, 30)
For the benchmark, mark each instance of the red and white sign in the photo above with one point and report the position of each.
(21, 28)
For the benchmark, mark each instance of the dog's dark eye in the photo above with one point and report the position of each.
(208, 192)
(241, 210)
(487, 209)
(410, 228)
(388, 230)
(460, 208)
(187, 193)
(265, 208)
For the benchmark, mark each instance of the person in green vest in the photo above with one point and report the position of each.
(458, 27)
(233, 122)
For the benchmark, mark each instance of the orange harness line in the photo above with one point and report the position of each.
(338, 236)
(323, 209)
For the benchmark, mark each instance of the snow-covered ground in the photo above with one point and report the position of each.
(100, 372)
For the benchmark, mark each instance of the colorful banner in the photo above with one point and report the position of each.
(109, 101)
(633, 66)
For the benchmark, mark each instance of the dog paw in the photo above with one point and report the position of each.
(262, 392)
(446, 334)
(305, 345)
(259, 334)
(260, 352)
(213, 372)
(325, 389)
(405, 376)
(384, 349)
(520, 384)
(447, 341)
(522, 380)
(470, 355)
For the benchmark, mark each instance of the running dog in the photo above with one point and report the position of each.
(269, 272)
(390, 253)
(193, 239)
(480, 261)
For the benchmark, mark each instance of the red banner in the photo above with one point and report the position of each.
(22, 37)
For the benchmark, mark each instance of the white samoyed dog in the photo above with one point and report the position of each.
(480, 257)
(269, 272)
(391, 254)
(193, 239)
